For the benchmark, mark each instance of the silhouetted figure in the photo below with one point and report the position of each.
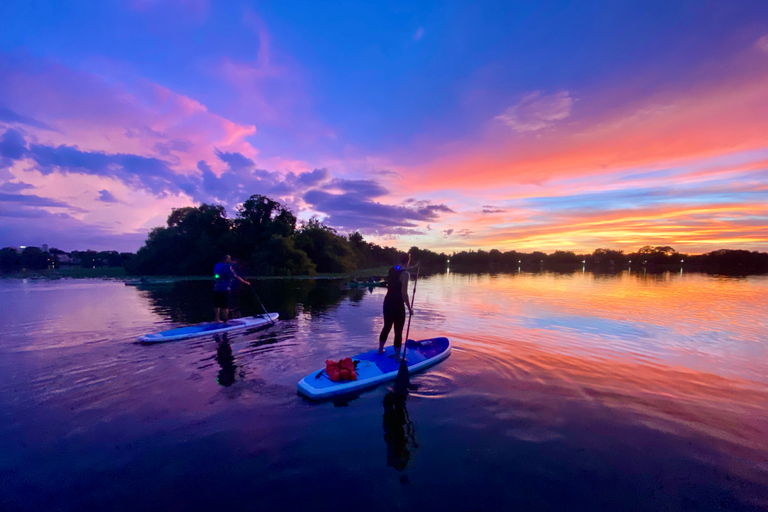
(395, 303)
(225, 275)
(226, 361)
(399, 433)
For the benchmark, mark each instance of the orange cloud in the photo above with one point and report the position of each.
(676, 127)
(683, 228)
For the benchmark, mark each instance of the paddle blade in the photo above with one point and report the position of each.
(403, 379)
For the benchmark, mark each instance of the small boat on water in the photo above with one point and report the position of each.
(367, 284)
(148, 282)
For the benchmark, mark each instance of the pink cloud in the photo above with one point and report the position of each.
(142, 117)
(709, 120)
(270, 90)
(536, 111)
(762, 43)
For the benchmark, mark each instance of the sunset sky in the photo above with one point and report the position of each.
(525, 125)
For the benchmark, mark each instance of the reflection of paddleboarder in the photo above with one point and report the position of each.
(225, 275)
(226, 361)
(399, 432)
(394, 304)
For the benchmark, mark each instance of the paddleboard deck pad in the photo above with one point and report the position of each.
(373, 368)
(208, 328)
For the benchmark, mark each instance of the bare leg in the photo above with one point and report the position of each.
(384, 333)
(399, 324)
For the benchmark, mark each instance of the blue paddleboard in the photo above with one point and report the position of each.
(373, 368)
(208, 328)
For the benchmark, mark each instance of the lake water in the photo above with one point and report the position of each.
(563, 392)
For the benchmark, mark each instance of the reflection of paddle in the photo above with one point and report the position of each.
(402, 381)
(266, 313)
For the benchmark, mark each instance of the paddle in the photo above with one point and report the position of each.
(402, 381)
(262, 305)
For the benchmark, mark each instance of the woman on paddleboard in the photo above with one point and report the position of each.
(395, 303)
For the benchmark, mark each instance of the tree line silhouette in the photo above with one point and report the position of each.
(650, 257)
(34, 258)
(266, 239)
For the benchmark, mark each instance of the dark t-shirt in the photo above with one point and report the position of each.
(394, 286)
(224, 277)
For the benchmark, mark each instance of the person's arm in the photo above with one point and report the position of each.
(234, 274)
(404, 278)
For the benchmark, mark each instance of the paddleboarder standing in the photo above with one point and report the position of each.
(224, 274)
(395, 303)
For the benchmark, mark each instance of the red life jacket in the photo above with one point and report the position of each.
(340, 370)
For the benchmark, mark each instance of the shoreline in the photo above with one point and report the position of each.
(119, 274)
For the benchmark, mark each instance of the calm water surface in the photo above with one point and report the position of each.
(563, 392)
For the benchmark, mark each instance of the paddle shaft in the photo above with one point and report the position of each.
(262, 305)
(410, 315)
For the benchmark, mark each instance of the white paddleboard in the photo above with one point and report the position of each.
(208, 328)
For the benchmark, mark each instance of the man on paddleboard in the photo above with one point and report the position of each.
(224, 274)
(395, 303)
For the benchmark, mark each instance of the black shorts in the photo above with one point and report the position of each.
(394, 311)
(221, 300)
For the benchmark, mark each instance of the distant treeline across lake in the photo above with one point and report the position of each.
(265, 239)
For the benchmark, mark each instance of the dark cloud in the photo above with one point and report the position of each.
(30, 200)
(356, 212)
(107, 197)
(211, 184)
(312, 178)
(144, 131)
(386, 172)
(493, 210)
(462, 232)
(237, 161)
(348, 204)
(165, 148)
(134, 170)
(203, 166)
(15, 187)
(431, 211)
(28, 213)
(365, 188)
(293, 184)
(12, 147)
(9, 116)
(240, 180)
